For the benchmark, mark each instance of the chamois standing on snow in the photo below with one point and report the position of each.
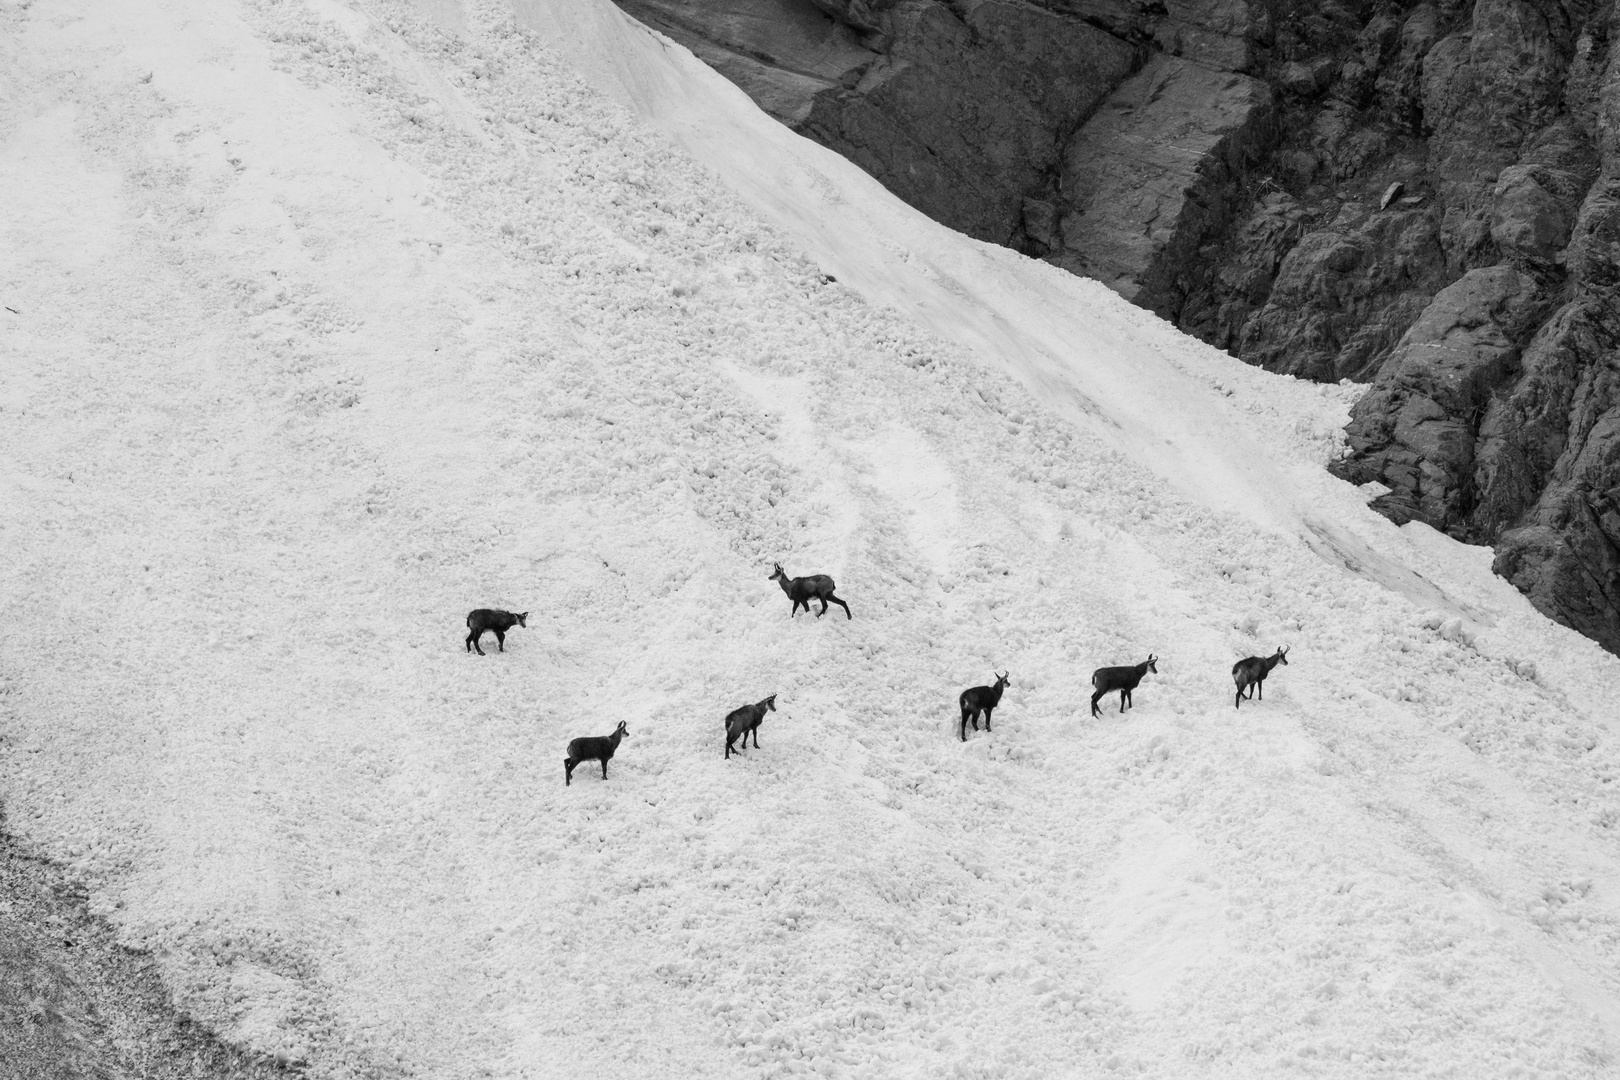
(801, 590)
(744, 720)
(1250, 673)
(592, 748)
(1124, 679)
(977, 699)
(489, 619)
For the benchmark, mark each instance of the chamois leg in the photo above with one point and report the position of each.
(756, 738)
(987, 713)
(469, 641)
(1094, 699)
(839, 602)
(1238, 704)
(604, 768)
(823, 610)
(500, 638)
(476, 639)
(1125, 701)
(568, 775)
(1260, 688)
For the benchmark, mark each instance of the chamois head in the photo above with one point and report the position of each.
(1152, 663)
(770, 703)
(1282, 654)
(778, 572)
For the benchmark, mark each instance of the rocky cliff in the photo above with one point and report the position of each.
(1421, 196)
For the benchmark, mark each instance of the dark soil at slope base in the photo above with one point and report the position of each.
(75, 1005)
(1421, 196)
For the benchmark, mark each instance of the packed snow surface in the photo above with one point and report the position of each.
(325, 323)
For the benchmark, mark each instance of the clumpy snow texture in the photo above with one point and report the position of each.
(326, 323)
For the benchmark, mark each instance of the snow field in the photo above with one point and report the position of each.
(344, 323)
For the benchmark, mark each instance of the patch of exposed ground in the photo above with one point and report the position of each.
(76, 1005)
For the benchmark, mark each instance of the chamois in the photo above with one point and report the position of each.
(744, 720)
(801, 590)
(977, 699)
(1250, 673)
(592, 748)
(489, 619)
(1123, 679)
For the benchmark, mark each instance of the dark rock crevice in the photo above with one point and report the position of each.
(1423, 196)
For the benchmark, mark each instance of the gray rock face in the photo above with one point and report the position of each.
(1539, 474)
(1146, 179)
(1415, 430)
(959, 109)
(1424, 196)
(1565, 554)
(1536, 200)
(1345, 293)
(1526, 430)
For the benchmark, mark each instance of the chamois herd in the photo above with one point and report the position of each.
(1249, 674)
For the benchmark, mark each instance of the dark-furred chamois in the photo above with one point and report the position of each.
(747, 719)
(1250, 674)
(1123, 679)
(981, 699)
(592, 748)
(483, 619)
(802, 590)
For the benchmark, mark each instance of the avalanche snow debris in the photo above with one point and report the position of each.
(425, 351)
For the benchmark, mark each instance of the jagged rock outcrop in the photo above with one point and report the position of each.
(1532, 462)
(1556, 438)
(1345, 293)
(1421, 195)
(1526, 430)
(1415, 430)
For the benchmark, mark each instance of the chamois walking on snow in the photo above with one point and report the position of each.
(1250, 673)
(592, 748)
(744, 720)
(981, 699)
(489, 619)
(1124, 679)
(802, 590)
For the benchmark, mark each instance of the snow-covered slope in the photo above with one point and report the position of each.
(324, 324)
